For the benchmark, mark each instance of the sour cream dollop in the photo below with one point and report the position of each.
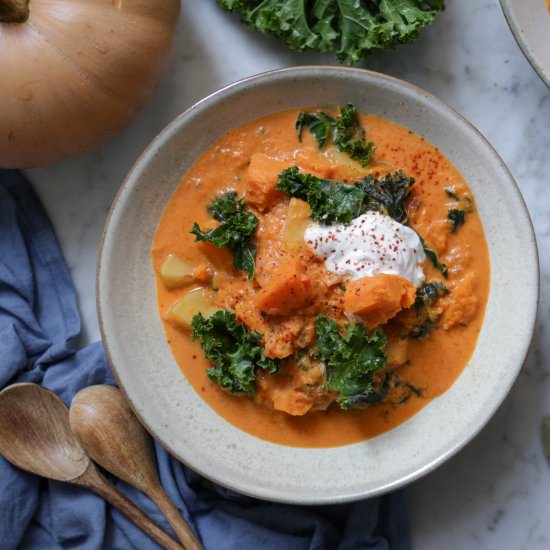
(373, 243)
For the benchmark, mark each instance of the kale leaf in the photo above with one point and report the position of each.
(236, 230)
(335, 201)
(389, 194)
(330, 200)
(235, 353)
(456, 217)
(431, 254)
(427, 318)
(350, 29)
(358, 149)
(345, 130)
(319, 124)
(351, 359)
(428, 293)
(349, 136)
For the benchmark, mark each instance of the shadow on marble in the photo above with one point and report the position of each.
(498, 472)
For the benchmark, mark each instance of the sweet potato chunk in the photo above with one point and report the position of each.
(293, 390)
(465, 303)
(288, 290)
(377, 299)
(263, 174)
(261, 185)
(311, 161)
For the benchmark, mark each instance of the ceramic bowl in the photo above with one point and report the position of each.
(177, 416)
(530, 23)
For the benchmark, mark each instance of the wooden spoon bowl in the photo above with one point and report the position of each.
(32, 441)
(108, 430)
(35, 435)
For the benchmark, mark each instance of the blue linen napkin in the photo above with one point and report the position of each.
(39, 323)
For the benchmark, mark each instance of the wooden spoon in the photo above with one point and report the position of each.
(35, 436)
(109, 432)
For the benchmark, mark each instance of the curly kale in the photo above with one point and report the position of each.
(457, 214)
(457, 218)
(350, 29)
(320, 124)
(235, 353)
(389, 194)
(335, 201)
(330, 200)
(236, 230)
(349, 136)
(345, 130)
(427, 318)
(351, 359)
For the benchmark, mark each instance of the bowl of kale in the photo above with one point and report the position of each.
(349, 29)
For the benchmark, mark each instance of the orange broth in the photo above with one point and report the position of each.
(434, 363)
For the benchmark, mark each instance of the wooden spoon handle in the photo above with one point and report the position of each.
(94, 481)
(171, 513)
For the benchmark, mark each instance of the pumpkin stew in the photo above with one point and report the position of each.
(321, 276)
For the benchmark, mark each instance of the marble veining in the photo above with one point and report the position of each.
(495, 494)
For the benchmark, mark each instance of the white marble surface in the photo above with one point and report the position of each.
(495, 494)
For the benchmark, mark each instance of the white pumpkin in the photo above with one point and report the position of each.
(75, 72)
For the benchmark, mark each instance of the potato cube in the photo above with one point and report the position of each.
(176, 272)
(297, 220)
(198, 300)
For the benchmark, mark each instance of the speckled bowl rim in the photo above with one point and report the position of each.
(457, 444)
(524, 42)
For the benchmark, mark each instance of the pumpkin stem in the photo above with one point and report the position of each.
(14, 11)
